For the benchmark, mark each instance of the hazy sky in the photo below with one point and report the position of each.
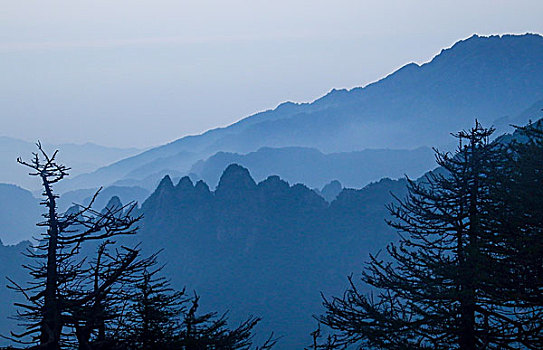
(141, 73)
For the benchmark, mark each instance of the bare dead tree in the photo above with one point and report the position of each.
(59, 287)
(109, 301)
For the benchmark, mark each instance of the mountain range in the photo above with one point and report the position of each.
(82, 158)
(251, 241)
(248, 233)
(270, 247)
(266, 248)
(493, 78)
(19, 215)
(315, 169)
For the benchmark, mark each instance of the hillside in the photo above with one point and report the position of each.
(83, 197)
(19, 215)
(285, 239)
(82, 159)
(11, 259)
(315, 169)
(282, 242)
(488, 78)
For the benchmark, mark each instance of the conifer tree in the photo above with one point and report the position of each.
(100, 312)
(159, 317)
(436, 288)
(154, 317)
(515, 225)
(210, 331)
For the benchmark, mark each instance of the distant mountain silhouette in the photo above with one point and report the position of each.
(19, 215)
(315, 169)
(82, 158)
(284, 243)
(11, 259)
(331, 190)
(84, 196)
(21, 211)
(488, 78)
(533, 113)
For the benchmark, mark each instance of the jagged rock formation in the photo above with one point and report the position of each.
(266, 248)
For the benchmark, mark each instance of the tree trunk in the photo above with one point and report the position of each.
(468, 336)
(51, 328)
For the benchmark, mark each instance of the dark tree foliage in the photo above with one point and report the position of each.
(515, 224)
(100, 313)
(210, 331)
(319, 341)
(158, 317)
(454, 279)
(152, 319)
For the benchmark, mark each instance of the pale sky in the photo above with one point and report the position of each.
(142, 73)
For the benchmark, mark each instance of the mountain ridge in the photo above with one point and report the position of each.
(315, 169)
(81, 157)
(478, 77)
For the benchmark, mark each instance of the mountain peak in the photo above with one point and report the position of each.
(165, 184)
(274, 183)
(236, 177)
(484, 77)
(331, 190)
(201, 187)
(493, 45)
(113, 204)
(184, 184)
